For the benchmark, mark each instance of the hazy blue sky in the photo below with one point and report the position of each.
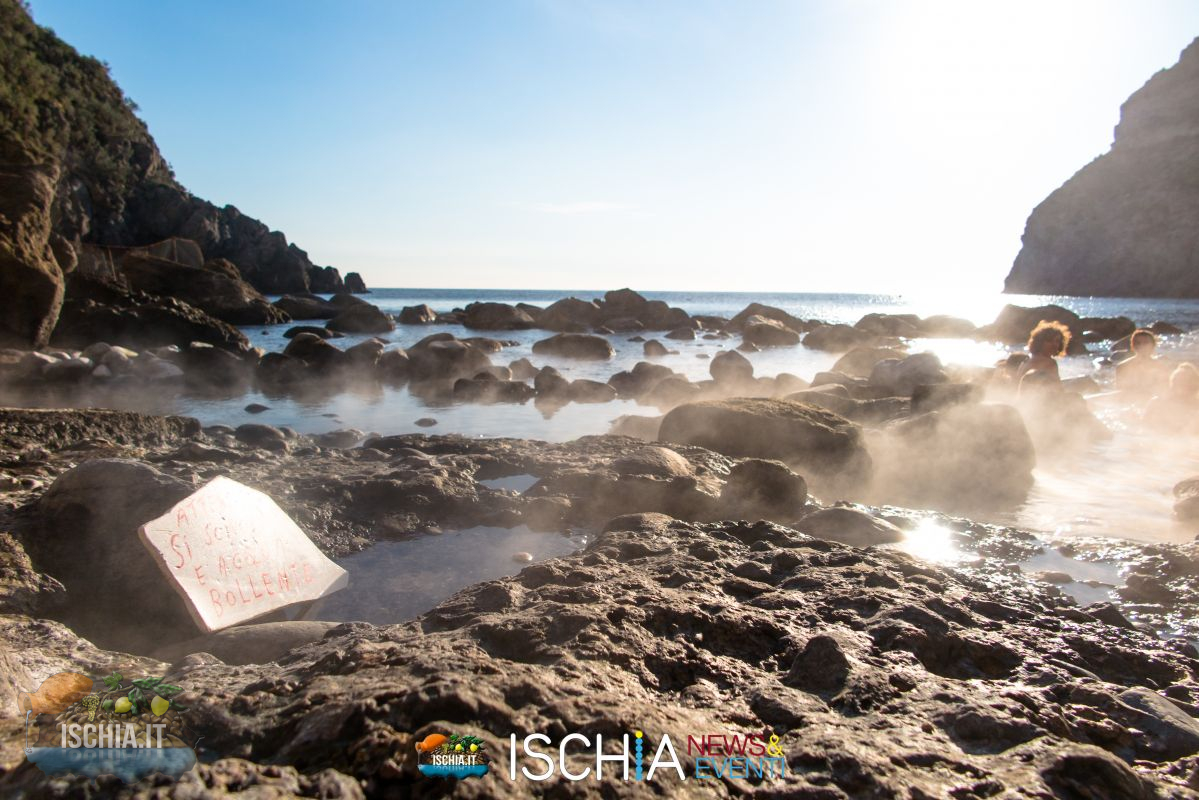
(750, 145)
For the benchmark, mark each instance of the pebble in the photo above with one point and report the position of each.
(425, 422)
(522, 557)
(257, 408)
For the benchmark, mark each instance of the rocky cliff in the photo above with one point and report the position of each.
(79, 169)
(1125, 224)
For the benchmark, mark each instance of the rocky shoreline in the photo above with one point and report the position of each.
(715, 593)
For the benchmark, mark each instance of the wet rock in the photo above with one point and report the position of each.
(360, 317)
(315, 330)
(737, 323)
(930, 397)
(417, 315)
(496, 317)
(306, 307)
(640, 380)
(731, 367)
(265, 437)
(256, 408)
(88, 520)
(903, 325)
(764, 332)
(364, 356)
(823, 445)
(394, 366)
(837, 338)
(425, 422)
(849, 526)
(655, 349)
(549, 383)
(489, 389)
(859, 361)
(762, 489)
(575, 345)
(442, 357)
(1171, 733)
(1186, 498)
(347, 437)
(681, 334)
(570, 315)
(522, 370)
(900, 377)
(820, 667)
(959, 458)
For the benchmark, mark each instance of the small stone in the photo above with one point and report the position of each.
(522, 557)
(425, 422)
(257, 408)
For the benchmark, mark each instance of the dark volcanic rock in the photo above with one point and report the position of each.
(881, 677)
(496, 317)
(417, 315)
(1015, 323)
(361, 317)
(1122, 226)
(307, 306)
(576, 345)
(355, 284)
(822, 444)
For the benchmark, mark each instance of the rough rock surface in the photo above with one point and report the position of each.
(1122, 226)
(880, 676)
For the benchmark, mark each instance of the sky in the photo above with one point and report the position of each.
(813, 145)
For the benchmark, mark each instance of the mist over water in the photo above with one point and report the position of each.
(1121, 487)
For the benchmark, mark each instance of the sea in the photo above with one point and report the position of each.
(1119, 488)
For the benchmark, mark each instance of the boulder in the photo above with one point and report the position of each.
(570, 315)
(355, 284)
(859, 361)
(943, 326)
(264, 437)
(763, 489)
(737, 323)
(360, 317)
(443, 357)
(1186, 499)
(654, 349)
(575, 345)
(642, 378)
(962, 458)
(902, 325)
(930, 397)
(730, 367)
(522, 369)
(496, 317)
(306, 307)
(96, 310)
(417, 315)
(116, 594)
(765, 332)
(315, 330)
(393, 366)
(315, 351)
(826, 447)
(849, 526)
(486, 388)
(31, 280)
(837, 338)
(1101, 329)
(549, 383)
(229, 299)
(900, 377)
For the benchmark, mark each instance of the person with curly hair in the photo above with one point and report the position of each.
(1046, 342)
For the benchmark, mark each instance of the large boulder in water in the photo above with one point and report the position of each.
(301, 306)
(575, 345)
(824, 446)
(967, 457)
(837, 338)
(496, 317)
(763, 332)
(360, 317)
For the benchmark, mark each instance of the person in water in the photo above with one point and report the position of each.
(1047, 342)
(1177, 409)
(1141, 373)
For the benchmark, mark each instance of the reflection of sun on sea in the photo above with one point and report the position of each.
(929, 541)
(961, 352)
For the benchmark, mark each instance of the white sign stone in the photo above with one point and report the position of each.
(234, 555)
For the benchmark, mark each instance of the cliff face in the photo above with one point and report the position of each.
(78, 168)
(1127, 224)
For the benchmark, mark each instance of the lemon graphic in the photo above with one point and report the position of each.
(458, 747)
(474, 748)
(122, 705)
(159, 706)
